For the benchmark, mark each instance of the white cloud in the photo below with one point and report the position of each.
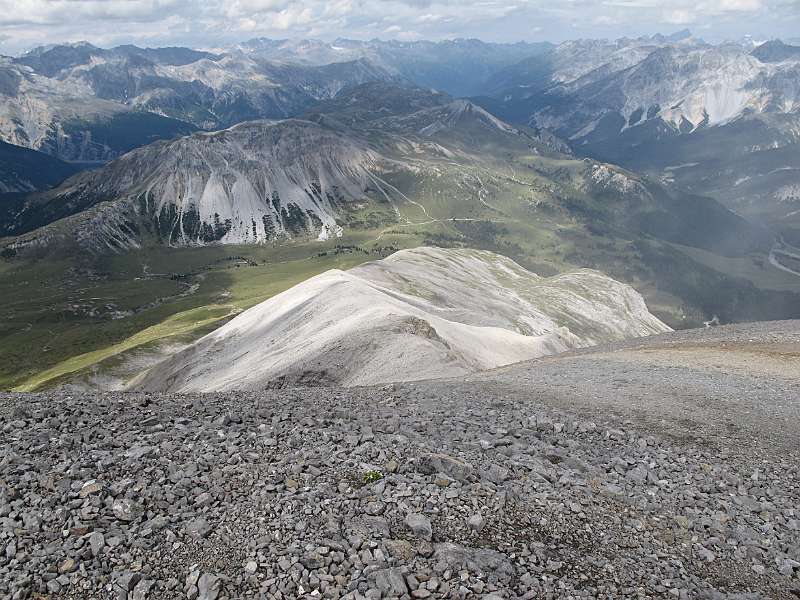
(740, 5)
(678, 17)
(25, 23)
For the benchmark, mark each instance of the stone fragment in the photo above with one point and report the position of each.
(208, 587)
(198, 528)
(126, 509)
(476, 522)
(89, 488)
(430, 464)
(96, 542)
(390, 582)
(419, 525)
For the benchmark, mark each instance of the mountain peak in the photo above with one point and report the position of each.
(776, 51)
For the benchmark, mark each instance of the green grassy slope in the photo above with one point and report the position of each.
(59, 317)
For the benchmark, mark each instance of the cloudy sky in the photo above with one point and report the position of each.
(213, 23)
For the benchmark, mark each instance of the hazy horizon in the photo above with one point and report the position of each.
(154, 23)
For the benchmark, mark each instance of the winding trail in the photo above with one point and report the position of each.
(408, 222)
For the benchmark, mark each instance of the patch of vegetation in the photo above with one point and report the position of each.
(176, 325)
(372, 477)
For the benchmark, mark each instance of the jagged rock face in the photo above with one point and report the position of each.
(585, 89)
(418, 314)
(248, 184)
(66, 119)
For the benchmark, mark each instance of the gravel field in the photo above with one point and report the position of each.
(658, 468)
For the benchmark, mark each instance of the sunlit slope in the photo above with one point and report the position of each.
(418, 314)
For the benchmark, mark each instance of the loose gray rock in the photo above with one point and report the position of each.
(390, 582)
(431, 463)
(476, 522)
(208, 587)
(96, 542)
(675, 502)
(126, 509)
(198, 528)
(419, 525)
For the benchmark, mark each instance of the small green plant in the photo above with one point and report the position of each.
(372, 477)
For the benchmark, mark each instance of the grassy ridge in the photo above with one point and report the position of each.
(180, 324)
(61, 317)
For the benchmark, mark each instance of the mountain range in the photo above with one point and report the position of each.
(388, 157)
(590, 154)
(81, 102)
(661, 105)
(666, 107)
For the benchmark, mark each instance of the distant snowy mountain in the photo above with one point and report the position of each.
(414, 315)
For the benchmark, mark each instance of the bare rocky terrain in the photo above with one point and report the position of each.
(664, 467)
(419, 314)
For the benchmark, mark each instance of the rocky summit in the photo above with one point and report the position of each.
(665, 467)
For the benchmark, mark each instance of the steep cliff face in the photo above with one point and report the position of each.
(418, 314)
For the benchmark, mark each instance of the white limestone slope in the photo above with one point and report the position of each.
(418, 314)
(687, 85)
(241, 180)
